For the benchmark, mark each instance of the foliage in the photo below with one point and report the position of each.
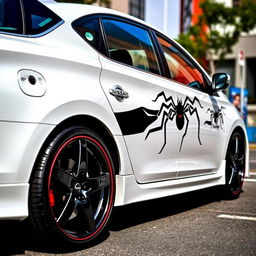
(218, 29)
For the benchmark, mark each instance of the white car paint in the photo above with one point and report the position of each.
(74, 74)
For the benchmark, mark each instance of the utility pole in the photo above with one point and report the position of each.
(241, 62)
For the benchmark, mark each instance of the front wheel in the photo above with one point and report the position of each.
(235, 166)
(73, 187)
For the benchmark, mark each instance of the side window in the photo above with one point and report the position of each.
(89, 30)
(180, 66)
(38, 17)
(10, 16)
(130, 45)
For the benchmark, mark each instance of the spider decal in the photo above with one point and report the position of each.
(179, 111)
(216, 118)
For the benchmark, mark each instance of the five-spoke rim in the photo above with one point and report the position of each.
(81, 187)
(236, 164)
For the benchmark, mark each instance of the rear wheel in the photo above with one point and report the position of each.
(235, 166)
(73, 187)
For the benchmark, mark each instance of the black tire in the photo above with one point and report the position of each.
(235, 166)
(73, 187)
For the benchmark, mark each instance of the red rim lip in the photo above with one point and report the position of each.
(111, 179)
(237, 192)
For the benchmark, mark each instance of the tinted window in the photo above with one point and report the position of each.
(181, 68)
(89, 30)
(130, 45)
(10, 16)
(38, 17)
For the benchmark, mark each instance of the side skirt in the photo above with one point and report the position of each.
(129, 191)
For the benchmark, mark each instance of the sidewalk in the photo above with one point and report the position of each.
(252, 146)
(252, 159)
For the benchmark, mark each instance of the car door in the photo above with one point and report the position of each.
(198, 116)
(136, 91)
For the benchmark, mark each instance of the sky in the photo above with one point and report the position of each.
(154, 15)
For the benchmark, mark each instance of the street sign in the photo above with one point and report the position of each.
(241, 58)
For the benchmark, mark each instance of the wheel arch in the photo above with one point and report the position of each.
(91, 123)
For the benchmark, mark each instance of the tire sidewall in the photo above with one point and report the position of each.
(49, 155)
(228, 189)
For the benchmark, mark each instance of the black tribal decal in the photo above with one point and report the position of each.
(179, 111)
(137, 120)
(216, 118)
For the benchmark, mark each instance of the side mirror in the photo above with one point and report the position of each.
(220, 81)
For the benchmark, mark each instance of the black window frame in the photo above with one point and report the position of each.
(102, 49)
(162, 63)
(57, 21)
(20, 32)
(207, 82)
(24, 16)
(135, 24)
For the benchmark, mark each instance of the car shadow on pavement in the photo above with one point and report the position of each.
(130, 215)
(17, 237)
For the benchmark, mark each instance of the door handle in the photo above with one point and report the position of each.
(119, 93)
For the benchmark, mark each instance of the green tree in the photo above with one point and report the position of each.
(218, 29)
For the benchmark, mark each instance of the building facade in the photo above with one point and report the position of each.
(162, 14)
(190, 9)
(135, 8)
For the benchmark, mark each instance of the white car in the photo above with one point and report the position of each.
(98, 109)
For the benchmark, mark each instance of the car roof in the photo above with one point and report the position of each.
(72, 11)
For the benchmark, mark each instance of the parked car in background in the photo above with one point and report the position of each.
(98, 109)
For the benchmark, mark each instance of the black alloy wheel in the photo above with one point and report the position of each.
(73, 187)
(235, 166)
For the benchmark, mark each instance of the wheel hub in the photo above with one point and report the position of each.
(77, 187)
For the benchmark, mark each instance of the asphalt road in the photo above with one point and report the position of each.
(198, 223)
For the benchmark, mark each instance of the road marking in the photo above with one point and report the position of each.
(253, 161)
(231, 212)
(236, 217)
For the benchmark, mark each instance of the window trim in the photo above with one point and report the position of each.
(20, 8)
(44, 32)
(135, 24)
(101, 16)
(24, 25)
(36, 35)
(23, 17)
(52, 28)
(86, 18)
(153, 33)
(163, 59)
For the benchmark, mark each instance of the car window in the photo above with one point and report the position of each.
(130, 45)
(181, 68)
(38, 17)
(10, 16)
(89, 30)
